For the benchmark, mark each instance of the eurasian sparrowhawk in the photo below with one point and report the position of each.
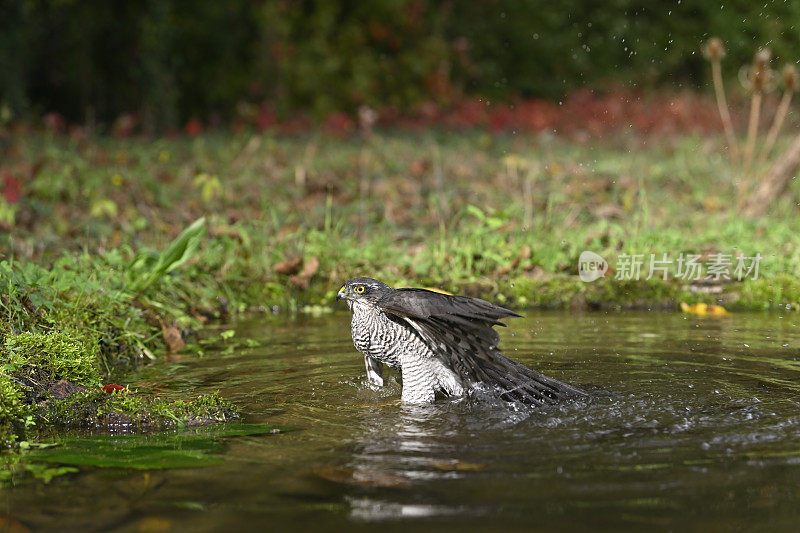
(439, 343)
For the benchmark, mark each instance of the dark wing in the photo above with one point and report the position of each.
(460, 332)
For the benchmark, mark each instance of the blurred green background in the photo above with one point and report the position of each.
(169, 61)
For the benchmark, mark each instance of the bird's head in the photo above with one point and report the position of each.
(362, 290)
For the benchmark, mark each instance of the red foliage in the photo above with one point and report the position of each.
(124, 126)
(55, 122)
(112, 388)
(378, 32)
(295, 125)
(193, 128)
(12, 187)
(467, 114)
(338, 125)
(536, 115)
(238, 125)
(582, 113)
(266, 118)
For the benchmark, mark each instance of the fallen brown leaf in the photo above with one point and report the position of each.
(711, 203)
(525, 253)
(288, 267)
(310, 268)
(226, 231)
(609, 210)
(419, 167)
(173, 339)
(299, 281)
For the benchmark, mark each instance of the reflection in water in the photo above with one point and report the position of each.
(417, 443)
(692, 422)
(369, 509)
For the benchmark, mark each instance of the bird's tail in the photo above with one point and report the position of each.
(516, 382)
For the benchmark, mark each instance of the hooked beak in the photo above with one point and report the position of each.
(341, 295)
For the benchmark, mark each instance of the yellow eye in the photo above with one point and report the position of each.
(359, 289)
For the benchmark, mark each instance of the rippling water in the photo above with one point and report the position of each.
(693, 423)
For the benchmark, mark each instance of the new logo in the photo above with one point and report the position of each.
(591, 266)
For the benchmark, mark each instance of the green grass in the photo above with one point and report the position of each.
(410, 208)
(95, 264)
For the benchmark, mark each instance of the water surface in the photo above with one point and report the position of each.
(694, 423)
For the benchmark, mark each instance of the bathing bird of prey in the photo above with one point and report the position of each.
(440, 344)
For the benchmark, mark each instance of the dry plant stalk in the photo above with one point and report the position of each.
(757, 79)
(758, 83)
(791, 82)
(752, 129)
(714, 51)
(775, 181)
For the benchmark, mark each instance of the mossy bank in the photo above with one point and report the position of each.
(70, 331)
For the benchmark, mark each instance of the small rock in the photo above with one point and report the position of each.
(63, 389)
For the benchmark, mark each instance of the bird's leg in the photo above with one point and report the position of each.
(419, 382)
(374, 371)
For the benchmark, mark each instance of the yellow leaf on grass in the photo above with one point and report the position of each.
(209, 185)
(103, 207)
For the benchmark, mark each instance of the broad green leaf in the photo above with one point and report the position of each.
(148, 268)
(190, 448)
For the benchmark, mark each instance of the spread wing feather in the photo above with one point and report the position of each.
(459, 331)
